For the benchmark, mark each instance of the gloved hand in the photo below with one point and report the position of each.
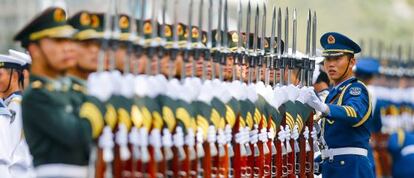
(314, 102)
(304, 94)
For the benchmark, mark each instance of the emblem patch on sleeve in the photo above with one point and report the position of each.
(355, 91)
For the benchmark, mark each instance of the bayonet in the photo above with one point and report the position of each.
(308, 34)
(217, 55)
(255, 41)
(279, 47)
(286, 54)
(312, 62)
(106, 38)
(154, 41)
(272, 44)
(132, 37)
(314, 23)
(207, 55)
(163, 40)
(306, 61)
(199, 49)
(249, 13)
(187, 50)
(224, 45)
(295, 30)
(238, 57)
(175, 47)
(262, 47)
(141, 24)
(272, 33)
(292, 60)
(114, 35)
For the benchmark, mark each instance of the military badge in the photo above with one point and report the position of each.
(180, 30)
(84, 19)
(59, 15)
(355, 91)
(123, 22)
(194, 32)
(235, 37)
(167, 31)
(147, 28)
(95, 21)
(331, 39)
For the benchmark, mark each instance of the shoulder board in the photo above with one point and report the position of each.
(357, 88)
(17, 100)
(78, 88)
(36, 84)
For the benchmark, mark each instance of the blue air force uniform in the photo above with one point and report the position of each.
(366, 68)
(401, 148)
(345, 128)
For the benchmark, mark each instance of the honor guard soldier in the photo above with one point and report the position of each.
(58, 134)
(11, 86)
(5, 132)
(401, 148)
(365, 70)
(345, 131)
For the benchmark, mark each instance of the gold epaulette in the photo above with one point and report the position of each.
(36, 84)
(79, 88)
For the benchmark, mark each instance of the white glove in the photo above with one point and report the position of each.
(304, 95)
(314, 102)
(293, 92)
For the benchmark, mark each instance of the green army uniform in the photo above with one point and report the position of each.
(58, 134)
(78, 87)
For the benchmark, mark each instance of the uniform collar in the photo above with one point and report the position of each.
(344, 83)
(78, 80)
(11, 96)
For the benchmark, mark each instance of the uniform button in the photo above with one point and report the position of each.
(342, 162)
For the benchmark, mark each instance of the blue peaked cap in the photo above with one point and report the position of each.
(336, 44)
(367, 65)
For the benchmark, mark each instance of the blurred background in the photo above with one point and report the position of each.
(388, 21)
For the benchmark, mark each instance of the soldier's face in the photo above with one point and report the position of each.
(5, 79)
(120, 54)
(339, 67)
(59, 54)
(228, 69)
(189, 67)
(87, 54)
(245, 72)
(294, 77)
(164, 65)
(199, 67)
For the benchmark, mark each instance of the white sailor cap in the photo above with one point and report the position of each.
(7, 61)
(20, 55)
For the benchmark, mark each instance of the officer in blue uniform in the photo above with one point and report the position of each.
(345, 131)
(401, 148)
(365, 70)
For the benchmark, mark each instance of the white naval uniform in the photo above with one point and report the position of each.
(5, 146)
(21, 160)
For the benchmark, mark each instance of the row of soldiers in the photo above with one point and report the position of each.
(115, 96)
(391, 85)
